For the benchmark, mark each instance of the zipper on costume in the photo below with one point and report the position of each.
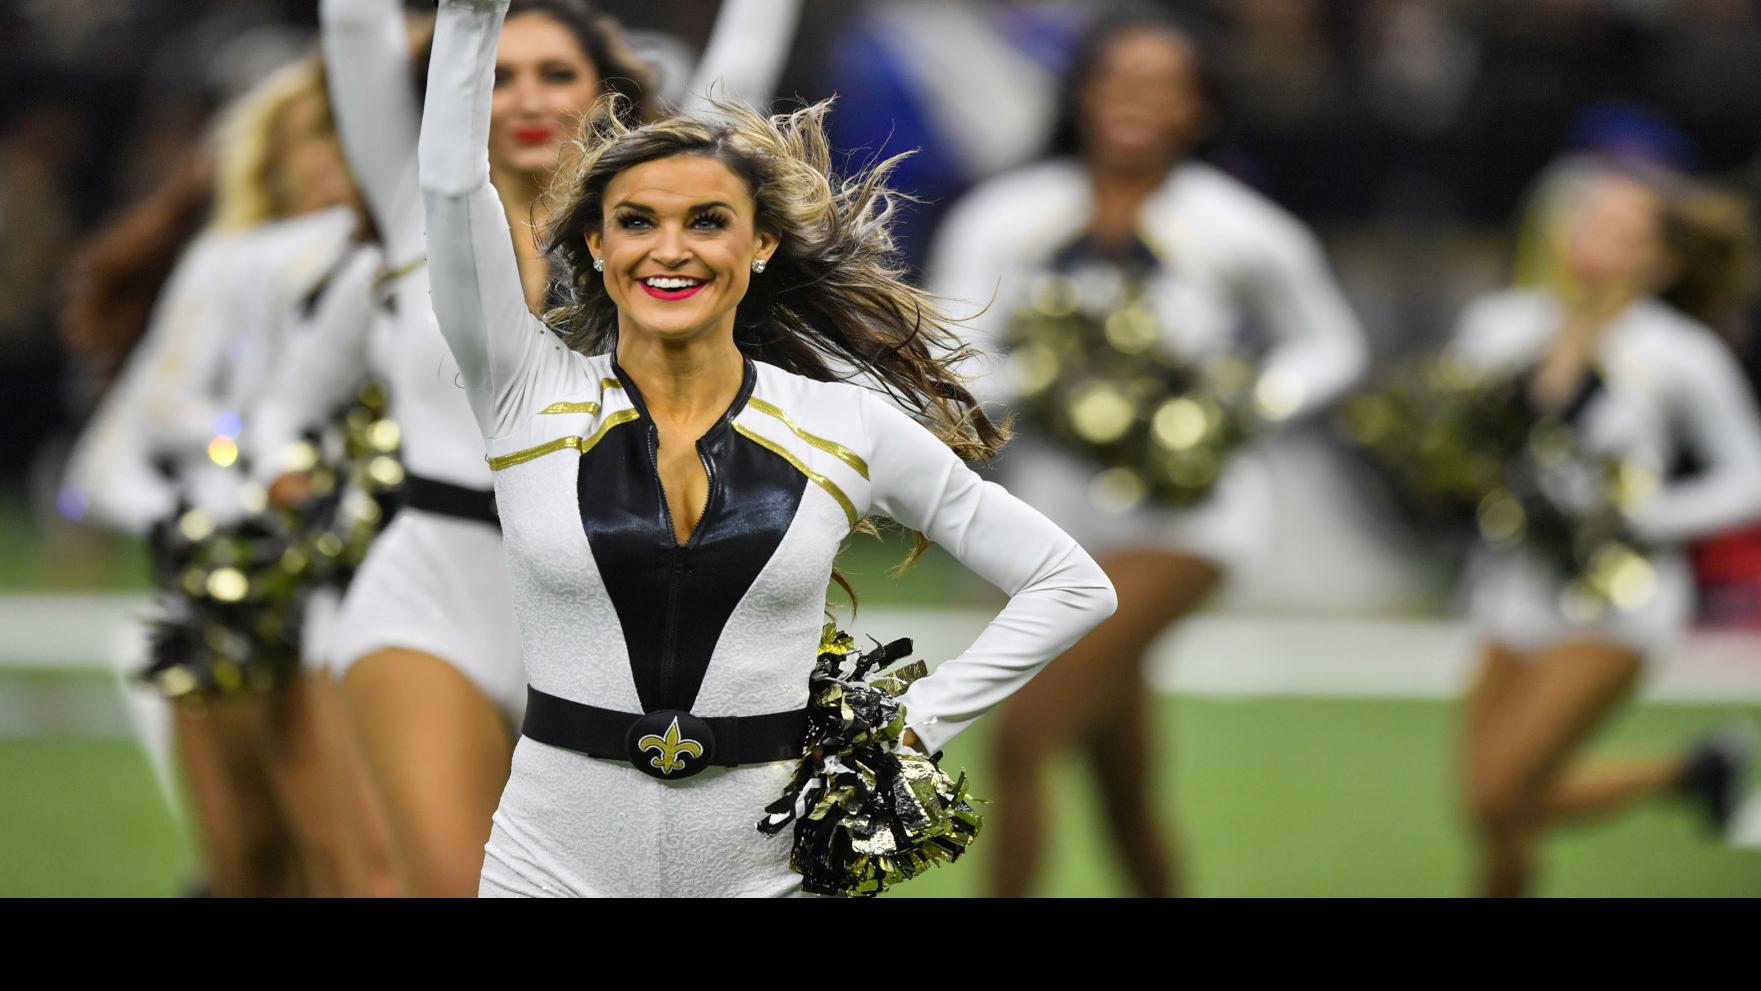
(668, 635)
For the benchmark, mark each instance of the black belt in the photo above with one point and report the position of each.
(434, 496)
(667, 743)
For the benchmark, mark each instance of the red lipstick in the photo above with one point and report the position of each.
(534, 134)
(671, 294)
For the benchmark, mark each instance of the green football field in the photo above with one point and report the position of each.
(1272, 797)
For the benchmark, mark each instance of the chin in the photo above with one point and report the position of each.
(533, 161)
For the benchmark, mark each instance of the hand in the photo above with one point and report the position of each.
(290, 490)
(910, 740)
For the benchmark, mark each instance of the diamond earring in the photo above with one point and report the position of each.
(758, 265)
(599, 264)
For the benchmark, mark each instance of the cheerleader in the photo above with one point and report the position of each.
(1637, 380)
(1125, 206)
(674, 483)
(427, 646)
(165, 438)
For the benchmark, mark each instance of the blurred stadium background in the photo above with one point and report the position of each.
(1307, 730)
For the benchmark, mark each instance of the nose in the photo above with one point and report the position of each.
(670, 248)
(527, 94)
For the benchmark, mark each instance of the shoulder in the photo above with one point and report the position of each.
(1660, 336)
(1017, 200)
(1209, 201)
(1505, 327)
(1508, 306)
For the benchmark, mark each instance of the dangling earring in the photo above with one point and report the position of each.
(758, 266)
(599, 264)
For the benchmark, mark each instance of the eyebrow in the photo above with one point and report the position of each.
(644, 208)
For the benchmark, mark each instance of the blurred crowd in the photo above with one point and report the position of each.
(1406, 131)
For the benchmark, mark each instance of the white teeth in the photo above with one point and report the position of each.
(673, 283)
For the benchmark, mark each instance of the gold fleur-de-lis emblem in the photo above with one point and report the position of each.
(668, 748)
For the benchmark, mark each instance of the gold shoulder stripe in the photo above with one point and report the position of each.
(588, 407)
(533, 453)
(812, 476)
(621, 416)
(610, 383)
(570, 443)
(832, 448)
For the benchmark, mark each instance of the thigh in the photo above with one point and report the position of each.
(1094, 676)
(437, 748)
(1567, 691)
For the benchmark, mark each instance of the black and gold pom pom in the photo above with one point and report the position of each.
(867, 812)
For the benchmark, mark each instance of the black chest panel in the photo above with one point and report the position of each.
(673, 600)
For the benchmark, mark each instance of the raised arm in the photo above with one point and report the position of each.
(1056, 591)
(1715, 408)
(373, 93)
(320, 366)
(746, 53)
(500, 347)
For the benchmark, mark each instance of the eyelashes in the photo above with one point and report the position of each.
(712, 220)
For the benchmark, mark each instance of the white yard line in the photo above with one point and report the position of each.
(1224, 655)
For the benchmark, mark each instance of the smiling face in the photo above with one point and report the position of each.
(309, 173)
(544, 83)
(1144, 102)
(678, 240)
(1615, 238)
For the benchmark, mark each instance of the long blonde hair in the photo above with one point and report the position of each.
(249, 145)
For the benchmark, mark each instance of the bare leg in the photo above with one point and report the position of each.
(320, 779)
(438, 753)
(248, 848)
(1121, 756)
(1596, 787)
(1078, 696)
(1524, 725)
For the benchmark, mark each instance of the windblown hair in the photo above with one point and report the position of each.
(1711, 238)
(117, 275)
(833, 304)
(249, 150)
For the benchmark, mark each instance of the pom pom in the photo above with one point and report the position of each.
(1468, 451)
(233, 597)
(868, 812)
(1087, 359)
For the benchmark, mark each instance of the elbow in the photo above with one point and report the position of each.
(1106, 601)
(1101, 599)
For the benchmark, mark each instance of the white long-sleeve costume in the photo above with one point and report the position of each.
(1223, 254)
(1667, 383)
(614, 614)
(437, 583)
(216, 332)
(220, 325)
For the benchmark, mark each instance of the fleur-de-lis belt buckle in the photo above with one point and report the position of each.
(670, 744)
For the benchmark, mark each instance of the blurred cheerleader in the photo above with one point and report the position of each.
(1611, 350)
(427, 646)
(164, 440)
(1121, 273)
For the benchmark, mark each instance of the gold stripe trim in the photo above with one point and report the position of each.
(812, 476)
(832, 448)
(588, 407)
(610, 384)
(571, 443)
(620, 417)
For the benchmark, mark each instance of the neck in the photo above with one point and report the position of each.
(520, 196)
(1119, 193)
(685, 382)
